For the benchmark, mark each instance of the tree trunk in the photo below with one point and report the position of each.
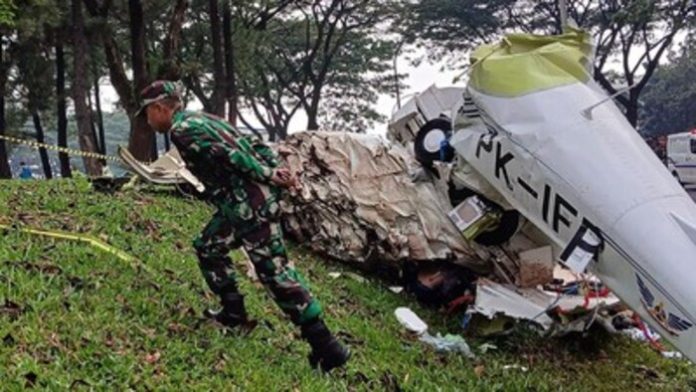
(313, 108)
(40, 138)
(219, 89)
(5, 171)
(100, 117)
(61, 107)
(312, 114)
(632, 108)
(79, 89)
(230, 74)
(142, 138)
(137, 34)
(170, 69)
(92, 118)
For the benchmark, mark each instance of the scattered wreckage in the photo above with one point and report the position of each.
(530, 164)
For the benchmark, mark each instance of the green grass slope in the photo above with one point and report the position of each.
(72, 316)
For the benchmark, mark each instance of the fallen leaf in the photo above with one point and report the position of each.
(54, 341)
(176, 328)
(220, 365)
(109, 340)
(479, 370)
(153, 358)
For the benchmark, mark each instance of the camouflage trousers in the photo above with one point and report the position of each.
(248, 217)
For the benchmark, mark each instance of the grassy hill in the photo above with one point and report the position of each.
(74, 316)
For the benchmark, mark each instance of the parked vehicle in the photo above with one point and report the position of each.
(681, 156)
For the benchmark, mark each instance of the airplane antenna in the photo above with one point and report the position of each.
(587, 112)
(563, 7)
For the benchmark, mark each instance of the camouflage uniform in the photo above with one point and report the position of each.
(237, 172)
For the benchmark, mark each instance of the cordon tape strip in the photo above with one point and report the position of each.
(74, 237)
(69, 151)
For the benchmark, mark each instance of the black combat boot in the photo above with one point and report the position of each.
(233, 314)
(326, 353)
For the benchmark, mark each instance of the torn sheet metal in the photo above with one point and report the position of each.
(359, 204)
(576, 312)
(494, 299)
(167, 169)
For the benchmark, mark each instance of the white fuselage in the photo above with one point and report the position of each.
(569, 173)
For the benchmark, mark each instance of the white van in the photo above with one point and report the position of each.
(681, 156)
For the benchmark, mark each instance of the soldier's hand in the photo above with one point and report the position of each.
(284, 178)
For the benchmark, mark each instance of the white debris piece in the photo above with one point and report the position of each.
(493, 299)
(410, 320)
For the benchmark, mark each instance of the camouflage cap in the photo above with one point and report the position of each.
(157, 91)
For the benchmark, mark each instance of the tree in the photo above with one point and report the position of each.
(633, 33)
(230, 69)
(35, 73)
(361, 73)
(62, 124)
(241, 20)
(672, 91)
(30, 51)
(5, 171)
(83, 113)
(164, 38)
(328, 59)
(7, 12)
(639, 33)
(325, 52)
(447, 28)
(219, 89)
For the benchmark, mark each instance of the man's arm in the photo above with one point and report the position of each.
(240, 158)
(265, 152)
(235, 155)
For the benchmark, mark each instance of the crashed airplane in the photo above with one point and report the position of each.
(531, 158)
(554, 147)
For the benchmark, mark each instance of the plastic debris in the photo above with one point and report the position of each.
(493, 299)
(486, 347)
(641, 335)
(448, 344)
(411, 321)
(396, 289)
(515, 366)
(672, 354)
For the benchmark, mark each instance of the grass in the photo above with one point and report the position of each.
(72, 316)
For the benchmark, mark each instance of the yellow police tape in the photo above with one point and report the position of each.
(69, 151)
(75, 237)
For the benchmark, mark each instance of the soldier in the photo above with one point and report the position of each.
(244, 180)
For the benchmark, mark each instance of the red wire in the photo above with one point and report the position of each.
(653, 342)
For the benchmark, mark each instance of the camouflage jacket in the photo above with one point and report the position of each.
(216, 153)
